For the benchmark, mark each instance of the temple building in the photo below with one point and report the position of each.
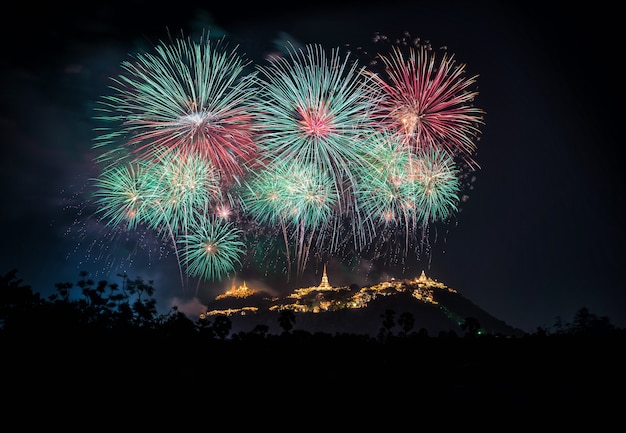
(324, 285)
(240, 292)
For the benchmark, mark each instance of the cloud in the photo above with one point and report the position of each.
(192, 308)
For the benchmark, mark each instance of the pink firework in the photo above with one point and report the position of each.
(187, 98)
(429, 102)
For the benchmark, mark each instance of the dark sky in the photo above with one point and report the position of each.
(541, 235)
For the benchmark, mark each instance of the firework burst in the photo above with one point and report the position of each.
(186, 97)
(212, 249)
(404, 193)
(428, 100)
(438, 186)
(308, 155)
(184, 185)
(298, 199)
(315, 110)
(122, 194)
(385, 192)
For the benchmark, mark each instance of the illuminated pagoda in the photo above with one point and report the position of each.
(324, 284)
(240, 292)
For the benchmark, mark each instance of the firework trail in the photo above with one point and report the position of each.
(296, 198)
(428, 100)
(212, 248)
(313, 110)
(438, 184)
(121, 194)
(308, 155)
(187, 97)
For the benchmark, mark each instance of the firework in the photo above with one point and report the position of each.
(315, 109)
(186, 97)
(428, 100)
(122, 194)
(403, 193)
(438, 179)
(290, 194)
(308, 155)
(212, 248)
(386, 191)
(183, 187)
(296, 198)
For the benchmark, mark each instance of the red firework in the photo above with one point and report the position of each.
(188, 98)
(428, 102)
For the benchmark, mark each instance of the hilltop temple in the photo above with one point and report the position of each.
(240, 292)
(324, 285)
(317, 298)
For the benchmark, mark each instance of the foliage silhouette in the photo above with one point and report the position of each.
(94, 336)
(222, 326)
(406, 321)
(471, 326)
(102, 307)
(286, 319)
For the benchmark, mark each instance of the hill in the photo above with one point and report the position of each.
(409, 305)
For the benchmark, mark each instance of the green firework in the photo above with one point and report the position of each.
(212, 248)
(314, 109)
(186, 97)
(123, 194)
(439, 187)
(298, 199)
(386, 191)
(183, 187)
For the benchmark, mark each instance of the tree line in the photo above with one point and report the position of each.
(103, 308)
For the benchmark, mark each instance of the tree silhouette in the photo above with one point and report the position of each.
(177, 324)
(260, 330)
(286, 319)
(16, 300)
(389, 321)
(406, 322)
(204, 328)
(222, 326)
(89, 309)
(588, 324)
(471, 326)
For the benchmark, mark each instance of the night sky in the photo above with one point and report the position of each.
(540, 237)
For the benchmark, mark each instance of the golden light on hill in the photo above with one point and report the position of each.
(326, 297)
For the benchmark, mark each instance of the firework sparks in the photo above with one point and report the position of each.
(315, 110)
(122, 193)
(187, 97)
(310, 148)
(297, 198)
(212, 249)
(428, 100)
(184, 186)
(438, 180)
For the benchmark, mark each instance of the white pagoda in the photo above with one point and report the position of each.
(324, 285)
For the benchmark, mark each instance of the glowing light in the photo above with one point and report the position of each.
(212, 249)
(428, 100)
(308, 155)
(187, 97)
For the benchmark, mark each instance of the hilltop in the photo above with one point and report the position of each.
(410, 305)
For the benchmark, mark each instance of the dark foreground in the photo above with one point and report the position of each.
(560, 376)
(110, 362)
